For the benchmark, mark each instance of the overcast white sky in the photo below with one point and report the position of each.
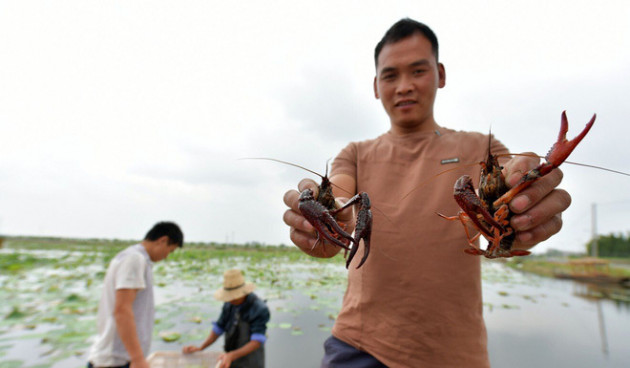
(114, 115)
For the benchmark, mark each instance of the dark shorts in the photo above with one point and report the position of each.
(121, 366)
(338, 354)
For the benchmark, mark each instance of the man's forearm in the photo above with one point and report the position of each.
(126, 327)
(211, 339)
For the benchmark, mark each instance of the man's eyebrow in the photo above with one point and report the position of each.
(421, 62)
(387, 69)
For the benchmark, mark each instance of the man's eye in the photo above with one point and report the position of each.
(419, 71)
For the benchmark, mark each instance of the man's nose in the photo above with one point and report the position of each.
(405, 85)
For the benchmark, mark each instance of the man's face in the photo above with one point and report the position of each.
(406, 82)
(163, 249)
(238, 301)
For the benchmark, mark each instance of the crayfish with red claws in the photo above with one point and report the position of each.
(489, 212)
(321, 212)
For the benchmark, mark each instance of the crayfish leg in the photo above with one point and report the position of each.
(474, 251)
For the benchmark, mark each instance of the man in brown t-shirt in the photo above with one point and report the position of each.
(416, 302)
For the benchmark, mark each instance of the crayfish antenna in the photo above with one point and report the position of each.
(286, 163)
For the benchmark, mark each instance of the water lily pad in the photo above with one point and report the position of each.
(170, 336)
(285, 325)
(196, 319)
(16, 313)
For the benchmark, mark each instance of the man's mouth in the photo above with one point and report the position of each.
(405, 103)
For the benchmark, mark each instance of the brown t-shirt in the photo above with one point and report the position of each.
(416, 302)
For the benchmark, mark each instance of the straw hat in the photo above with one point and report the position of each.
(234, 286)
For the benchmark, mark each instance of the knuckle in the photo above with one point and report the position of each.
(564, 198)
(549, 228)
(286, 217)
(531, 160)
(307, 184)
(559, 176)
(289, 198)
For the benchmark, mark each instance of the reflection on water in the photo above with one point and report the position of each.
(600, 294)
(618, 294)
(540, 322)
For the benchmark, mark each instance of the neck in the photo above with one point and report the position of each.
(425, 126)
(148, 246)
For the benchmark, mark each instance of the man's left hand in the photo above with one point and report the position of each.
(225, 360)
(537, 209)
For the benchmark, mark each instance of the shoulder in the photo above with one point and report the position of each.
(130, 255)
(369, 143)
(258, 306)
(470, 141)
(355, 151)
(134, 255)
(256, 301)
(366, 144)
(458, 136)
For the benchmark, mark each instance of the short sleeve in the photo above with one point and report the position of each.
(130, 272)
(346, 161)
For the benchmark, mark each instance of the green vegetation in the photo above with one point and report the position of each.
(543, 266)
(611, 246)
(108, 248)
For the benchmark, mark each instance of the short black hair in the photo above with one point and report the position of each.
(170, 229)
(402, 29)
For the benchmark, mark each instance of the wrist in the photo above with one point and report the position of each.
(232, 355)
(137, 358)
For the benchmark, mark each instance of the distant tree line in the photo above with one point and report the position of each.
(611, 246)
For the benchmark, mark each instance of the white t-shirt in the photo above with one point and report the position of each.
(129, 269)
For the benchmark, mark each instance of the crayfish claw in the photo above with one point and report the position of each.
(563, 147)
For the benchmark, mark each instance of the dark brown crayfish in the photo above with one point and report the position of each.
(321, 212)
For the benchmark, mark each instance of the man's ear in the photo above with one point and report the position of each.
(163, 239)
(376, 89)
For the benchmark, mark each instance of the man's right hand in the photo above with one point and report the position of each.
(190, 349)
(302, 233)
(140, 363)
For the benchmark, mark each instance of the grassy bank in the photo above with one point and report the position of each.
(548, 267)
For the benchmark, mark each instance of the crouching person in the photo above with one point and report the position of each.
(243, 320)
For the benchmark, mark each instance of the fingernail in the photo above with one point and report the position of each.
(520, 203)
(521, 222)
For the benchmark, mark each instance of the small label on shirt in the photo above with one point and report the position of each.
(450, 161)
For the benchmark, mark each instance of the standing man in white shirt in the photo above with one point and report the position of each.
(126, 311)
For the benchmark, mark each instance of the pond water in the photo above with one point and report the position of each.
(47, 316)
